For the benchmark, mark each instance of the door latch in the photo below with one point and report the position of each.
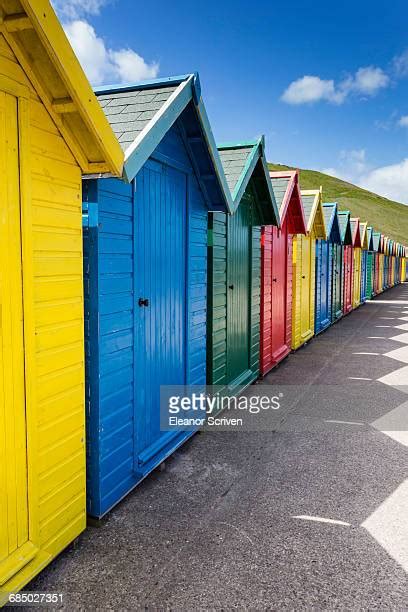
(143, 302)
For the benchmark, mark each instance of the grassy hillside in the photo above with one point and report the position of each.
(384, 215)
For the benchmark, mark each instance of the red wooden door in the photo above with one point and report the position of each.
(275, 293)
(279, 264)
(348, 279)
(266, 299)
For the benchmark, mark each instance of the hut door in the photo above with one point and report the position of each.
(279, 257)
(15, 547)
(306, 259)
(160, 299)
(348, 286)
(325, 318)
(239, 299)
(337, 278)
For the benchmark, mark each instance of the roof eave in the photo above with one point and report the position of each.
(79, 99)
(149, 138)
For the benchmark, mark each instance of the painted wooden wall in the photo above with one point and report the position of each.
(54, 452)
(110, 294)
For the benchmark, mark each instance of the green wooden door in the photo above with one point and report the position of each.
(238, 292)
(370, 275)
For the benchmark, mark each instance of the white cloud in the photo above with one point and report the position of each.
(403, 121)
(400, 64)
(389, 181)
(74, 9)
(102, 64)
(132, 67)
(370, 80)
(309, 89)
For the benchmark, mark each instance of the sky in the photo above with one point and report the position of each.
(327, 86)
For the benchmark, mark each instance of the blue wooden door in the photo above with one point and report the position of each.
(322, 285)
(160, 300)
(325, 314)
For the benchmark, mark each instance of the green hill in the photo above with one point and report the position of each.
(386, 216)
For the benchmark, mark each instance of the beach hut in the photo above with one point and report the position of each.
(145, 247)
(402, 264)
(382, 264)
(355, 232)
(234, 279)
(376, 237)
(369, 284)
(363, 273)
(276, 269)
(391, 267)
(51, 131)
(346, 263)
(304, 268)
(386, 262)
(328, 270)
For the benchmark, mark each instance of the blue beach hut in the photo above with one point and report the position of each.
(145, 264)
(328, 269)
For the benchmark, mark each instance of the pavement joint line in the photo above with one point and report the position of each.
(328, 363)
(321, 519)
(346, 422)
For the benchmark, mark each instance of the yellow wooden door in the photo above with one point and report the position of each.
(15, 546)
(305, 263)
(356, 277)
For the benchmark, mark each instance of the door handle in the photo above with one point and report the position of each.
(231, 286)
(275, 280)
(303, 276)
(143, 302)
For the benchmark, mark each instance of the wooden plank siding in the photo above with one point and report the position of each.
(50, 180)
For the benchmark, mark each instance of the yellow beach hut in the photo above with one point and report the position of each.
(52, 130)
(304, 272)
(356, 237)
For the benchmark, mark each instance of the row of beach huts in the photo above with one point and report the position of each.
(136, 254)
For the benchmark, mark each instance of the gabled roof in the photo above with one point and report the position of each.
(369, 238)
(141, 114)
(332, 222)
(376, 241)
(345, 227)
(242, 162)
(36, 37)
(285, 186)
(312, 206)
(363, 236)
(355, 231)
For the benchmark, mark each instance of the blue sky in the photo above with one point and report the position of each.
(328, 89)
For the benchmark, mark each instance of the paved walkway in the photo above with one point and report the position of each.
(314, 514)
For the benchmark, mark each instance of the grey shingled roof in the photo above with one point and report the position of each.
(279, 187)
(376, 240)
(308, 201)
(233, 161)
(353, 224)
(343, 221)
(129, 112)
(327, 213)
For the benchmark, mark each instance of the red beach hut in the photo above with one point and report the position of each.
(276, 275)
